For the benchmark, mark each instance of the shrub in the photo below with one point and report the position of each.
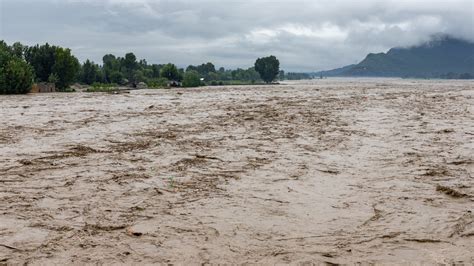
(102, 87)
(157, 83)
(191, 79)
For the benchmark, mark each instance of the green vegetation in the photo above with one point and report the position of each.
(157, 83)
(236, 83)
(53, 63)
(129, 71)
(297, 76)
(191, 79)
(90, 73)
(222, 76)
(170, 72)
(268, 68)
(16, 76)
(22, 65)
(102, 87)
(452, 75)
(206, 71)
(66, 67)
(111, 69)
(130, 67)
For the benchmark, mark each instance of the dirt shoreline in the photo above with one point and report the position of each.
(329, 171)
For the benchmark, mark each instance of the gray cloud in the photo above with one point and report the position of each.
(304, 35)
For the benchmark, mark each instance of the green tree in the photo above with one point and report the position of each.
(192, 68)
(170, 72)
(138, 76)
(156, 70)
(42, 59)
(207, 68)
(466, 76)
(268, 68)
(18, 49)
(47, 60)
(16, 76)
(5, 53)
(191, 79)
(281, 75)
(143, 64)
(206, 71)
(66, 67)
(130, 65)
(212, 76)
(297, 76)
(116, 77)
(90, 73)
(110, 66)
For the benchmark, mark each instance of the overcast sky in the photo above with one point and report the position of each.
(305, 35)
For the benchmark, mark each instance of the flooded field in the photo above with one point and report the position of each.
(328, 171)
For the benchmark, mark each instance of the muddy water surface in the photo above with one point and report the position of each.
(334, 171)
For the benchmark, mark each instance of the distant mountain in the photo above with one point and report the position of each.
(443, 56)
(334, 72)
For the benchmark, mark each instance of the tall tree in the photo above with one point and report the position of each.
(281, 75)
(204, 70)
(18, 49)
(156, 70)
(16, 76)
(130, 66)
(90, 72)
(268, 68)
(170, 72)
(66, 67)
(191, 79)
(47, 60)
(42, 59)
(111, 66)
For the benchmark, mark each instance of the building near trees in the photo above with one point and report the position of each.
(42, 87)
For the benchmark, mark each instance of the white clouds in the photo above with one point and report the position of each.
(325, 31)
(304, 34)
(261, 36)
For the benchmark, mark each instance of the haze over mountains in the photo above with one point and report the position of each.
(442, 57)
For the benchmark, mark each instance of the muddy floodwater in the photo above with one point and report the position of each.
(327, 171)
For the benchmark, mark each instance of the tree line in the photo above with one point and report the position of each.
(21, 66)
(129, 70)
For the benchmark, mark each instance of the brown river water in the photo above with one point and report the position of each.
(326, 171)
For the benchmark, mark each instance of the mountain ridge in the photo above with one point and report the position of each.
(442, 56)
